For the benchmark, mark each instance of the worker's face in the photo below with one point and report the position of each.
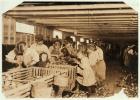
(24, 47)
(57, 45)
(44, 57)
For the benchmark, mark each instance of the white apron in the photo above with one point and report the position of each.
(88, 74)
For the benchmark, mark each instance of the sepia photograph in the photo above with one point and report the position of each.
(72, 49)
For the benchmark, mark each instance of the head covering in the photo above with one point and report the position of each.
(42, 54)
(69, 39)
(19, 48)
(58, 41)
(91, 46)
(39, 37)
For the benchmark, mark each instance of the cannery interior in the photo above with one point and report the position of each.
(69, 50)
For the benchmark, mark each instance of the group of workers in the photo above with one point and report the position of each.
(88, 57)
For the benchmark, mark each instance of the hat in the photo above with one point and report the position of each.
(39, 37)
(69, 39)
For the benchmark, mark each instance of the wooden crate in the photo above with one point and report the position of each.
(67, 71)
(24, 91)
(26, 77)
(18, 76)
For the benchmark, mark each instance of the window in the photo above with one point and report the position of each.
(57, 33)
(91, 40)
(73, 38)
(24, 28)
(87, 41)
(81, 39)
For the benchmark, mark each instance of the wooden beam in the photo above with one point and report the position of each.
(129, 23)
(86, 21)
(90, 16)
(79, 17)
(94, 32)
(107, 34)
(78, 20)
(104, 29)
(100, 33)
(118, 35)
(95, 22)
(113, 32)
(110, 30)
(70, 7)
(77, 12)
(74, 26)
(101, 36)
(110, 38)
(103, 26)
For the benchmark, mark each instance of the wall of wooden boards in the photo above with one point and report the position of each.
(10, 36)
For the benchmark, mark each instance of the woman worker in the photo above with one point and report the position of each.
(87, 78)
(39, 47)
(97, 62)
(22, 55)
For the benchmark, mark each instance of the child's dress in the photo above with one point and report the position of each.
(88, 74)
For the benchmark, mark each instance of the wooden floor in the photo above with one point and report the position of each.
(112, 76)
(114, 80)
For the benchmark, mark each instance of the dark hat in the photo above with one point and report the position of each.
(69, 39)
(39, 37)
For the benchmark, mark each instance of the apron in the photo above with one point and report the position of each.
(88, 74)
(100, 69)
